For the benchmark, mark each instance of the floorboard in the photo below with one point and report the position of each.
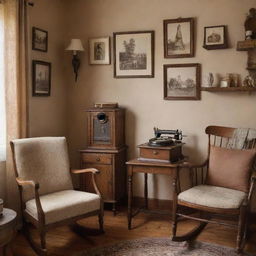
(62, 241)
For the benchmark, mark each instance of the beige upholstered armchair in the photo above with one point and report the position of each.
(48, 198)
(222, 186)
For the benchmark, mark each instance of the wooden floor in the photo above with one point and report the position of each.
(62, 241)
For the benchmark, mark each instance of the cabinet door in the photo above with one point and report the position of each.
(104, 180)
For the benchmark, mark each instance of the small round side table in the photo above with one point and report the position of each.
(7, 230)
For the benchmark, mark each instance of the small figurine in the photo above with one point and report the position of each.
(250, 22)
(210, 80)
(249, 81)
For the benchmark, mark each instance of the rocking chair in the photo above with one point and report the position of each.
(221, 186)
(48, 198)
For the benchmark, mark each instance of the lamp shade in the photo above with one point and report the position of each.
(75, 45)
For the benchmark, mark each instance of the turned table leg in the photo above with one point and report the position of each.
(146, 190)
(129, 197)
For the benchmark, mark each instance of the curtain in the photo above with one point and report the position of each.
(2, 109)
(16, 70)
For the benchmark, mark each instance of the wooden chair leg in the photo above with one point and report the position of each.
(241, 229)
(43, 239)
(38, 249)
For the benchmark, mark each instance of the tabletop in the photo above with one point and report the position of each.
(8, 218)
(154, 163)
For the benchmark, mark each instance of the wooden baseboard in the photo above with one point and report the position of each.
(153, 203)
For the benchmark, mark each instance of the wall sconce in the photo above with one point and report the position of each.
(75, 46)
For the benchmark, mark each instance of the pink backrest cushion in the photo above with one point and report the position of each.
(230, 168)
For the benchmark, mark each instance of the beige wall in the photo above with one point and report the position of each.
(48, 114)
(2, 180)
(143, 98)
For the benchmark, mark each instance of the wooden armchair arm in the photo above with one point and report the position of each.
(27, 182)
(40, 212)
(88, 170)
(196, 176)
(93, 171)
(191, 165)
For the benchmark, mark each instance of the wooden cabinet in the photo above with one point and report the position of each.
(106, 151)
(111, 180)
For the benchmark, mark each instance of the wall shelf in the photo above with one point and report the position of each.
(229, 89)
(246, 45)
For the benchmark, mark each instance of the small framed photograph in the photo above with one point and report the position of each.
(39, 39)
(182, 81)
(215, 37)
(99, 51)
(134, 54)
(179, 38)
(41, 78)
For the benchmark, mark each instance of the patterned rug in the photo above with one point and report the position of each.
(159, 247)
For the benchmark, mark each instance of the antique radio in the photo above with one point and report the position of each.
(166, 146)
(105, 127)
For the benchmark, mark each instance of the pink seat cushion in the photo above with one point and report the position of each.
(230, 168)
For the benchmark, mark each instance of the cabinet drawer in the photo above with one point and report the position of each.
(154, 154)
(97, 158)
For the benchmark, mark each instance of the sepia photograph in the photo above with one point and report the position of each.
(179, 38)
(182, 81)
(39, 39)
(134, 54)
(99, 51)
(215, 37)
(41, 78)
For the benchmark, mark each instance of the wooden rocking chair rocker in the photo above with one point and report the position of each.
(221, 186)
(48, 198)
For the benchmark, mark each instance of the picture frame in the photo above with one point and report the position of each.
(99, 51)
(182, 81)
(179, 38)
(41, 78)
(134, 54)
(39, 39)
(215, 37)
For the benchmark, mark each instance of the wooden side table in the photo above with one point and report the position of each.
(7, 230)
(146, 167)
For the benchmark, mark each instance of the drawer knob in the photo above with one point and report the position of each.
(155, 152)
(97, 159)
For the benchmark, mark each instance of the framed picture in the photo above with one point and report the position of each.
(215, 37)
(39, 39)
(99, 51)
(179, 38)
(41, 78)
(182, 81)
(134, 54)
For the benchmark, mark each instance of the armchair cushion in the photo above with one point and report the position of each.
(44, 160)
(65, 204)
(212, 196)
(230, 168)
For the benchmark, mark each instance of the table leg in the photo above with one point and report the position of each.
(146, 190)
(129, 197)
(174, 203)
